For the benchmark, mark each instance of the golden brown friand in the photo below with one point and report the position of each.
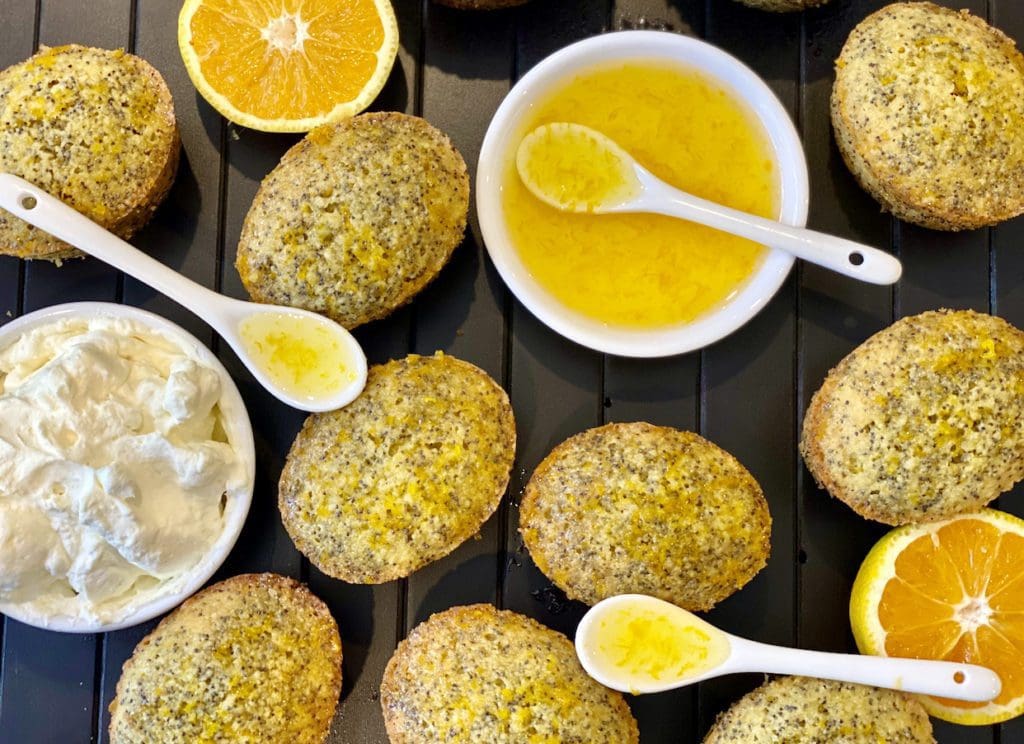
(356, 219)
(402, 475)
(636, 508)
(923, 420)
(928, 113)
(255, 658)
(480, 675)
(93, 127)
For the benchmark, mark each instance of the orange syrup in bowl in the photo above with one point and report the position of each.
(642, 270)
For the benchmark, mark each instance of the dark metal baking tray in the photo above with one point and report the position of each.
(746, 393)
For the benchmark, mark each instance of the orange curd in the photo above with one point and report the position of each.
(641, 270)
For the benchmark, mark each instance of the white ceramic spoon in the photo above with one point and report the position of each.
(572, 155)
(618, 646)
(226, 315)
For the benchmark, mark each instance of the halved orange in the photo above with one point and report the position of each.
(288, 65)
(950, 590)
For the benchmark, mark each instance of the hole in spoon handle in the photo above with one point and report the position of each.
(856, 258)
(27, 201)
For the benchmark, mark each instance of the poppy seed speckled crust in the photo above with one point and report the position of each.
(255, 658)
(93, 127)
(923, 420)
(648, 509)
(783, 6)
(356, 218)
(928, 113)
(402, 475)
(479, 675)
(799, 710)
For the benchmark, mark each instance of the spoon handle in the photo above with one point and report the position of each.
(838, 254)
(941, 678)
(49, 214)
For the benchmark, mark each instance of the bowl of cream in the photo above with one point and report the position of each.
(126, 466)
(644, 285)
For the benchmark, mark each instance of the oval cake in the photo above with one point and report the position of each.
(636, 508)
(356, 218)
(254, 658)
(402, 475)
(923, 420)
(928, 112)
(799, 710)
(93, 127)
(481, 675)
(783, 6)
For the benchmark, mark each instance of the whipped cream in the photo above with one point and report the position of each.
(115, 467)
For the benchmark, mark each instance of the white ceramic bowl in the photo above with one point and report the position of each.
(239, 431)
(505, 131)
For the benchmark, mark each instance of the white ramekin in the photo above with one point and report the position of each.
(239, 431)
(502, 136)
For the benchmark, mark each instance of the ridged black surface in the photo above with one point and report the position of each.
(747, 393)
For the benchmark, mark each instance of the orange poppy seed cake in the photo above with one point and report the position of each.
(256, 657)
(356, 219)
(928, 113)
(923, 420)
(402, 475)
(93, 127)
(800, 710)
(480, 675)
(636, 508)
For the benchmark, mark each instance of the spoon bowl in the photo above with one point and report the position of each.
(578, 169)
(304, 359)
(332, 389)
(640, 644)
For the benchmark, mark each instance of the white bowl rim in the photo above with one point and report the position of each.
(235, 416)
(759, 288)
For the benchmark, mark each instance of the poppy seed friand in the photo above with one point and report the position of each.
(928, 113)
(923, 420)
(636, 508)
(356, 219)
(800, 710)
(256, 657)
(480, 675)
(94, 128)
(402, 475)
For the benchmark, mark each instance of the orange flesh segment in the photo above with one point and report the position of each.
(338, 53)
(926, 565)
(935, 575)
(1007, 584)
